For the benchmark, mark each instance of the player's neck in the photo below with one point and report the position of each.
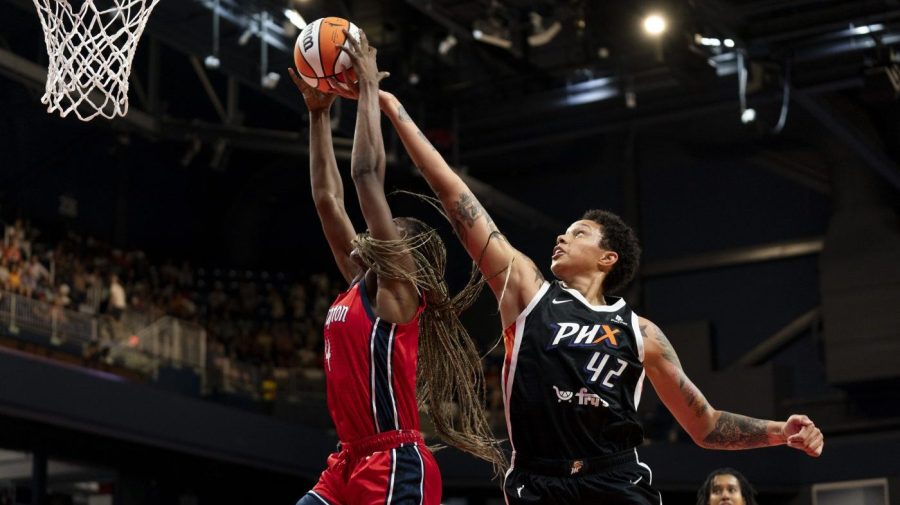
(590, 287)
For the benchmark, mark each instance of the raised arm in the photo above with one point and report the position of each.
(512, 276)
(327, 188)
(711, 428)
(396, 300)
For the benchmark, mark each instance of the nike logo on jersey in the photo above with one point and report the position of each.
(557, 301)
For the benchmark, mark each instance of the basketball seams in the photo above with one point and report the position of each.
(308, 64)
(318, 63)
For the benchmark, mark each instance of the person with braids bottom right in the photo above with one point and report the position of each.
(395, 315)
(576, 357)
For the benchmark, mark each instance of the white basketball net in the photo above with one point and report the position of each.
(90, 54)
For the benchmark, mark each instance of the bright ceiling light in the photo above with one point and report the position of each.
(295, 18)
(654, 24)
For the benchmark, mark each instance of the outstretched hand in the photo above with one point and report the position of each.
(363, 57)
(802, 434)
(316, 101)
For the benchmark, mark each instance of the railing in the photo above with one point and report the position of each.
(141, 343)
(135, 342)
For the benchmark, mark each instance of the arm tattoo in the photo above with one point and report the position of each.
(693, 396)
(734, 431)
(538, 276)
(468, 209)
(403, 115)
(423, 137)
(668, 353)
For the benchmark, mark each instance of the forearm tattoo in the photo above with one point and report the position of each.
(468, 209)
(734, 431)
(423, 137)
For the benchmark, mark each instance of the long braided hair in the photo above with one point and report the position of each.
(450, 381)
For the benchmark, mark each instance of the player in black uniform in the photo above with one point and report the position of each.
(576, 357)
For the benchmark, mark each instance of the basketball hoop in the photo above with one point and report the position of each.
(90, 52)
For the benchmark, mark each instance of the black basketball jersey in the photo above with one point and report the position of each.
(572, 376)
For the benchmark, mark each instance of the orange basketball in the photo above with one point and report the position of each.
(319, 54)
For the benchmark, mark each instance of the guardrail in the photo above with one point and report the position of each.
(136, 341)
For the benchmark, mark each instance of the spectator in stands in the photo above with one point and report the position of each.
(33, 274)
(12, 252)
(726, 486)
(14, 282)
(4, 273)
(117, 300)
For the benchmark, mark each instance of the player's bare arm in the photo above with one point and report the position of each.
(397, 300)
(325, 179)
(512, 276)
(711, 428)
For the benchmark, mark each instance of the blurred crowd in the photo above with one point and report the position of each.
(266, 320)
(262, 318)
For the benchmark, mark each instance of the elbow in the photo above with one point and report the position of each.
(700, 441)
(366, 170)
(703, 433)
(326, 201)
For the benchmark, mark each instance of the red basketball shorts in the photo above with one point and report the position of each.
(390, 468)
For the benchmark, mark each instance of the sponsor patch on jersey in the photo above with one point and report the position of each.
(584, 397)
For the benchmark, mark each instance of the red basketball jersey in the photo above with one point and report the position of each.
(370, 368)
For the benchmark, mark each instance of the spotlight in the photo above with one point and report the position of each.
(212, 62)
(728, 43)
(654, 25)
(706, 41)
(270, 80)
(748, 116)
(295, 18)
(414, 78)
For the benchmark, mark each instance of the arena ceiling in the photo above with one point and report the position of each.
(500, 85)
(472, 64)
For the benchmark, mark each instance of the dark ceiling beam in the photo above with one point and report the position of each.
(870, 154)
(789, 167)
(780, 339)
(734, 257)
(652, 119)
(513, 62)
(273, 141)
(428, 8)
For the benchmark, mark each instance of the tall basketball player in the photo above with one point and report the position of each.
(576, 357)
(396, 312)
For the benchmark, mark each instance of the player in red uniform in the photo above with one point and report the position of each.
(397, 293)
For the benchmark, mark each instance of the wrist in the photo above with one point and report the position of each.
(775, 432)
(368, 85)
